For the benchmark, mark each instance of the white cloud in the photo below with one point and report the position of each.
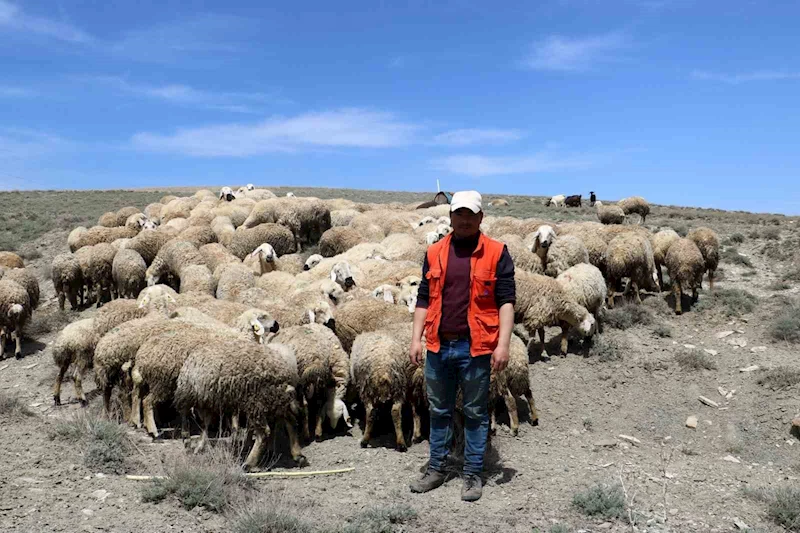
(237, 102)
(469, 136)
(735, 79)
(7, 91)
(478, 166)
(204, 34)
(21, 144)
(352, 128)
(13, 18)
(573, 54)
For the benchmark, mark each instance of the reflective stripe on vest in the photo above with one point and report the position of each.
(483, 315)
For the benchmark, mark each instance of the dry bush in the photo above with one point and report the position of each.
(606, 500)
(105, 444)
(786, 325)
(731, 255)
(692, 359)
(781, 377)
(731, 302)
(783, 504)
(606, 349)
(214, 480)
(627, 315)
(12, 406)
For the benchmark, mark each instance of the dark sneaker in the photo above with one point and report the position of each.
(432, 479)
(473, 488)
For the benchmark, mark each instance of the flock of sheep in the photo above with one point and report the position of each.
(207, 306)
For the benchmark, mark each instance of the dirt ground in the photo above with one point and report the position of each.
(675, 478)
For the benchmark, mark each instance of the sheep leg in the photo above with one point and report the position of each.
(492, 420)
(73, 300)
(78, 385)
(149, 416)
(417, 436)
(294, 445)
(17, 336)
(304, 419)
(532, 405)
(205, 421)
(611, 287)
(368, 412)
(564, 337)
(61, 300)
(136, 406)
(511, 407)
(318, 428)
(694, 295)
(676, 290)
(635, 288)
(711, 279)
(660, 277)
(259, 444)
(57, 387)
(397, 418)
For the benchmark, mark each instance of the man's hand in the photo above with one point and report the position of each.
(416, 352)
(500, 358)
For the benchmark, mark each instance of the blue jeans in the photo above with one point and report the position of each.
(444, 373)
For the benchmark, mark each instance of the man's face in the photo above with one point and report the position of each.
(465, 223)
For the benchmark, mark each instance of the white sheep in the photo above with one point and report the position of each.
(312, 261)
(75, 345)
(543, 302)
(584, 284)
(15, 310)
(557, 200)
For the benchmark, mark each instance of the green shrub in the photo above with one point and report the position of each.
(779, 285)
(266, 519)
(771, 234)
(786, 326)
(604, 500)
(781, 377)
(662, 330)
(213, 480)
(12, 406)
(737, 237)
(606, 349)
(105, 444)
(627, 315)
(380, 520)
(783, 504)
(731, 255)
(693, 359)
(732, 302)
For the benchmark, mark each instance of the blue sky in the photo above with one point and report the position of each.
(683, 102)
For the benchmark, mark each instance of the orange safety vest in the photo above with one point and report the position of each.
(483, 315)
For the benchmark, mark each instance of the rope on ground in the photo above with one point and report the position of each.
(261, 474)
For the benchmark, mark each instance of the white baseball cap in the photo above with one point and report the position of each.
(468, 199)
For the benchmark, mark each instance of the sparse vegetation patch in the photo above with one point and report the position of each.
(628, 315)
(105, 444)
(731, 302)
(781, 377)
(693, 359)
(604, 500)
(731, 255)
(786, 326)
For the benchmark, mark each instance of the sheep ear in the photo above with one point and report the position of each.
(311, 316)
(333, 275)
(387, 296)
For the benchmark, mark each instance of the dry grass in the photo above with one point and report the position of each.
(786, 325)
(105, 444)
(781, 377)
(213, 480)
(605, 500)
(693, 359)
(783, 504)
(627, 315)
(731, 255)
(731, 302)
(606, 349)
(12, 406)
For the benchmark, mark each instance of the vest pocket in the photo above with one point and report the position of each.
(434, 278)
(483, 287)
(489, 325)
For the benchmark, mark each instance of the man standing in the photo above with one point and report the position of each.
(466, 307)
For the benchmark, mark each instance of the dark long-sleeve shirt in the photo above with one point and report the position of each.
(456, 290)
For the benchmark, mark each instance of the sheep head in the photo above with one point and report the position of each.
(16, 311)
(544, 237)
(335, 410)
(265, 253)
(320, 313)
(587, 324)
(332, 290)
(226, 193)
(343, 275)
(432, 237)
(385, 292)
(312, 261)
(250, 186)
